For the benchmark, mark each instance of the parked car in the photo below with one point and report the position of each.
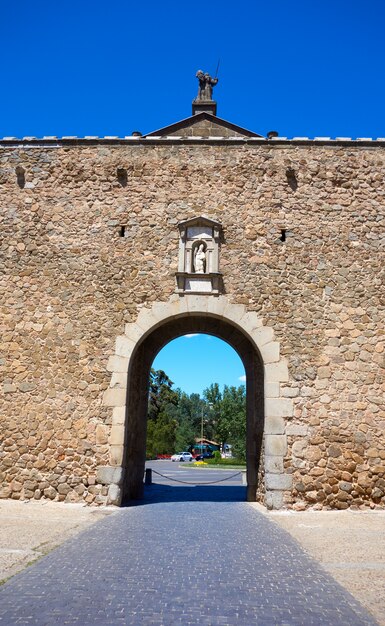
(204, 456)
(182, 456)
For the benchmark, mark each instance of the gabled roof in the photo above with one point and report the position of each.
(201, 219)
(203, 125)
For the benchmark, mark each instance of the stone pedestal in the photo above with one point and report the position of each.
(204, 106)
(198, 283)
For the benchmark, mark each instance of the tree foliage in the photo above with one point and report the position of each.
(175, 417)
(232, 425)
(161, 427)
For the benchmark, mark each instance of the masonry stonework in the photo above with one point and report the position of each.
(84, 251)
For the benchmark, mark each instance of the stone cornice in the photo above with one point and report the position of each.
(59, 142)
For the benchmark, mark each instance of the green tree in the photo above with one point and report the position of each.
(212, 411)
(188, 416)
(232, 423)
(161, 393)
(161, 425)
(227, 416)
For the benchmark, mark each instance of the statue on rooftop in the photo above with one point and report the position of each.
(206, 84)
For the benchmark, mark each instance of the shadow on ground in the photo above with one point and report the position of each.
(157, 493)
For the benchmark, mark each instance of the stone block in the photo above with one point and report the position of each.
(274, 425)
(119, 380)
(147, 319)
(101, 434)
(272, 390)
(119, 415)
(117, 364)
(216, 306)
(117, 435)
(8, 388)
(263, 335)
(114, 495)
(300, 430)
(108, 475)
(114, 397)
(116, 455)
(289, 392)
(250, 321)
(133, 332)
(299, 448)
(273, 464)
(196, 304)
(274, 500)
(270, 352)
(275, 445)
(277, 372)
(324, 372)
(124, 346)
(278, 407)
(166, 310)
(63, 489)
(234, 312)
(278, 481)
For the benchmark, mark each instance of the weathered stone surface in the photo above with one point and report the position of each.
(274, 464)
(274, 426)
(114, 495)
(297, 429)
(117, 434)
(279, 407)
(115, 397)
(278, 481)
(76, 296)
(275, 445)
(272, 390)
(299, 448)
(108, 475)
(276, 372)
(274, 500)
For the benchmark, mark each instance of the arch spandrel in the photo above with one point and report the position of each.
(245, 332)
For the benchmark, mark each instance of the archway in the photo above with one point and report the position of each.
(137, 396)
(128, 394)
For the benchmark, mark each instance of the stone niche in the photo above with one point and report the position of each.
(198, 265)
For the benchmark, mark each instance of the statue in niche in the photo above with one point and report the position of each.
(200, 260)
(206, 84)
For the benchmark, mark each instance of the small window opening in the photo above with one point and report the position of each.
(122, 176)
(291, 178)
(122, 231)
(283, 235)
(20, 176)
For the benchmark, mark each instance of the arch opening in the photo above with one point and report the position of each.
(134, 454)
(197, 392)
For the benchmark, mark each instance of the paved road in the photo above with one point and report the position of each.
(184, 556)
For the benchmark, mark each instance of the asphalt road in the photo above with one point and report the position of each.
(180, 482)
(187, 473)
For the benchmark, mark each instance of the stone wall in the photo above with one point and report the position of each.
(84, 249)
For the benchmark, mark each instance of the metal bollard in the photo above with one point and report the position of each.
(148, 477)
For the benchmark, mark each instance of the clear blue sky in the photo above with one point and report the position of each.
(91, 67)
(193, 362)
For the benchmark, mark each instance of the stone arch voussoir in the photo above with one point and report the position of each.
(277, 407)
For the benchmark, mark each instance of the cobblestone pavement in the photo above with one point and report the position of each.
(194, 555)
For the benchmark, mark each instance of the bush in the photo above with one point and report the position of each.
(232, 461)
(217, 456)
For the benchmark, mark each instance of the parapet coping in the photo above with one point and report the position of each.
(170, 139)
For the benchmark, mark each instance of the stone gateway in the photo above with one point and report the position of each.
(111, 247)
